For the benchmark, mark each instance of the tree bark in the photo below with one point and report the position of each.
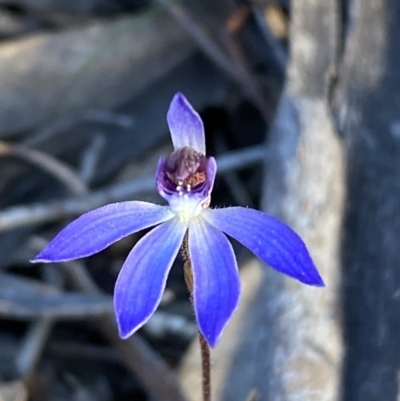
(301, 348)
(367, 105)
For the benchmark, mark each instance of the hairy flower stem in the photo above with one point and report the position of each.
(204, 348)
(206, 367)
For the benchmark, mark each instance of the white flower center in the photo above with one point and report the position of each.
(186, 207)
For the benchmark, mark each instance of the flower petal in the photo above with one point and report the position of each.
(185, 125)
(215, 278)
(270, 239)
(96, 230)
(142, 279)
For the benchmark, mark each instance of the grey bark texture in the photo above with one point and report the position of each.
(367, 108)
(300, 346)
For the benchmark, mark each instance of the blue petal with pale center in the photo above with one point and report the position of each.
(268, 238)
(96, 230)
(143, 276)
(185, 125)
(216, 283)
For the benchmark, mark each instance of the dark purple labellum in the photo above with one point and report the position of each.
(184, 171)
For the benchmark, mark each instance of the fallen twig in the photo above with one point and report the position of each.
(278, 50)
(91, 158)
(249, 82)
(93, 116)
(61, 171)
(32, 346)
(34, 341)
(17, 294)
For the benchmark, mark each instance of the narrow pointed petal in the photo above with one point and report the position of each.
(142, 279)
(185, 125)
(215, 278)
(96, 230)
(268, 238)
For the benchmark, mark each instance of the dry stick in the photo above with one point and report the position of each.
(281, 55)
(91, 157)
(249, 81)
(204, 348)
(17, 294)
(22, 216)
(34, 341)
(32, 345)
(240, 75)
(92, 116)
(235, 22)
(59, 170)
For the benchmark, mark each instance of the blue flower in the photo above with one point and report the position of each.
(185, 180)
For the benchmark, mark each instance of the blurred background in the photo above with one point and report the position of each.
(301, 105)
